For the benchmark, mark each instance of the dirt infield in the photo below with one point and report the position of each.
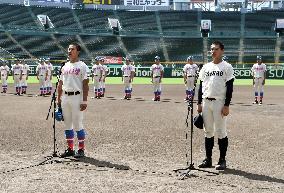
(134, 146)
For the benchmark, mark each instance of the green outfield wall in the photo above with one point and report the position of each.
(240, 73)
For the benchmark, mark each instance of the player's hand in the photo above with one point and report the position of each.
(37, 77)
(83, 107)
(199, 108)
(253, 82)
(263, 82)
(27, 78)
(152, 81)
(160, 80)
(104, 80)
(185, 82)
(130, 81)
(225, 111)
(45, 78)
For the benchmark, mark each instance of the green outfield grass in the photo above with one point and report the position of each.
(139, 80)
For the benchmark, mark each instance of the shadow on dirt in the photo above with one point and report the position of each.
(252, 176)
(99, 163)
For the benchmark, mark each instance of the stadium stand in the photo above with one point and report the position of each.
(137, 20)
(15, 15)
(144, 34)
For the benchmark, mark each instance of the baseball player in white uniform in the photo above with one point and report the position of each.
(214, 96)
(42, 73)
(105, 72)
(4, 72)
(190, 71)
(157, 73)
(48, 83)
(97, 71)
(17, 76)
(258, 71)
(128, 71)
(25, 76)
(72, 97)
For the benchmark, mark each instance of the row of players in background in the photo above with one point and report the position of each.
(20, 74)
(99, 72)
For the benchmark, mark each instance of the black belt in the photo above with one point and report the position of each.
(16, 74)
(72, 93)
(125, 76)
(157, 76)
(190, 76)
(210, 99)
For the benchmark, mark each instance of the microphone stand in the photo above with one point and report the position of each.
(53, 103)
(185, 172)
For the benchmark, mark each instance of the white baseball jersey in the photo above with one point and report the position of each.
(49, 68)
(258, 70)
(214, 78)
(157, 70)
(97, 69)
(4, 70)
(127, 69)
(105, 70)
(25, 69)
(42, 69)
(17, 69)
(190, 69)
(72, 75)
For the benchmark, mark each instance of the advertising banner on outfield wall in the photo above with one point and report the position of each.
(240, 73)
(147, 2)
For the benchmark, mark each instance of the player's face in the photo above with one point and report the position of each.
(190, 61)
(259, 62)
(216, 51)
(157, 61)
(73, 53)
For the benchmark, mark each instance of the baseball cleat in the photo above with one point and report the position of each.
(206, 163)
(221, 165)
(255, 102)
(260, 102)
(92, 97)
(68, 153)
(79, 154)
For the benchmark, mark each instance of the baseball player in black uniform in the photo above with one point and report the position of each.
(214, 96)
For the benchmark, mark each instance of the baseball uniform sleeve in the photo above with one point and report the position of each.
(229, 72)
(162, 68)
(85, 71)
(201, 74)
(184, 68)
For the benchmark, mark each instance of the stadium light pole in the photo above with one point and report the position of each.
(205, 29)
